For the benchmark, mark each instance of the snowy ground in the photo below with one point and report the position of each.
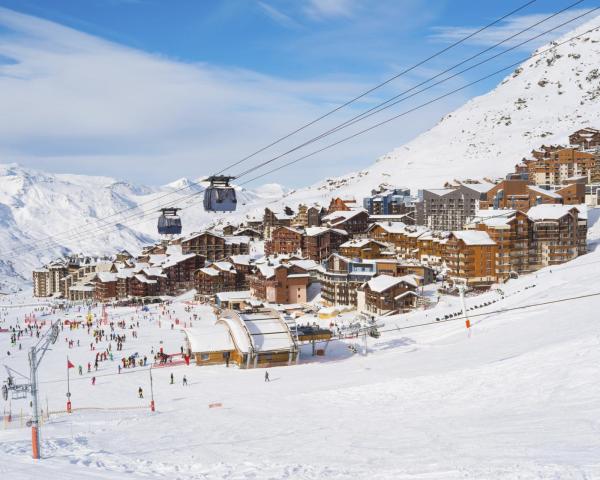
(518, 398)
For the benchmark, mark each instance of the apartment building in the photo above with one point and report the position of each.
(556, 231)
(396, 201)
(513, 233)
(471, 255)
(213, 246)
(320, 242)
(449, 208)
(284, 240)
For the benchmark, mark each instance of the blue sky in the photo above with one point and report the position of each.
(153, 90)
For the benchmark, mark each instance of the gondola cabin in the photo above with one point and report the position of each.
(219, 196)
(169, 222)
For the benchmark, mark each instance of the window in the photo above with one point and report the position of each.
(204, 357)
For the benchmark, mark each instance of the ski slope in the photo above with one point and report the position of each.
(517, 398)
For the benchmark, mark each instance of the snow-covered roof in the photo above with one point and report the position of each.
(237, 239)
(173, 249)
(237, 295)
(266, 270)
(213, 272)
(360, 242)
(343, 215)
(268, 331)
(207, 336)
(241, 259)
(493, 217)
(305, 264)
(543, 191)
(173, 260)
(144, 279)
(480, 187)
(225, 266)
(381, 283)
(473, 237)
(390, 227)
(154, 272)
(314, 231)
(440, 191)
(106, 276)
(549, 211)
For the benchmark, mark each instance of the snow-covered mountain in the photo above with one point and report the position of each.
(35, 205)
(542, 101)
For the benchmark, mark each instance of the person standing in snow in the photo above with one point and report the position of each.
(172, 379)
(267, 379)
(140, 393)
(93, 380)
(184, 381)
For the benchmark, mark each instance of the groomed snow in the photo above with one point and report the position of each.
(518, 398)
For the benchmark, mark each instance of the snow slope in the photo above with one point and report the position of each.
(518, 398)
(541, 102)
(35, 205)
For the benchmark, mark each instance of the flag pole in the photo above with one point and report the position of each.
(68, 386)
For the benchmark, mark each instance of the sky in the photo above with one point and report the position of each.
(153, 90)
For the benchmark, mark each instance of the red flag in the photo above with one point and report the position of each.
(69, 364)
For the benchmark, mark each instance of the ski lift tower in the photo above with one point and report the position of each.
(461, 285)
(36, 354)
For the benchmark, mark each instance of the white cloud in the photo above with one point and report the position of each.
(76, 103)
(277, 15)
(331, 8)
(512, 26)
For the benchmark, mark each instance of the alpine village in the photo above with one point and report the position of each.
(288, 276)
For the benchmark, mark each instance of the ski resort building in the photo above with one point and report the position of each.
(320, 242)
(471, 256)
(387, 295)
(284, 240)
(260, 338)
(279, 283)
(389, 202)
(212, 246)
(556, 232)
(354, 222)
(449, 208)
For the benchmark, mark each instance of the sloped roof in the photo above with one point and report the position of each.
(343, 215)
(473, 237)
(381, 283)
(543, 191)
(390, 227)
(549, 211)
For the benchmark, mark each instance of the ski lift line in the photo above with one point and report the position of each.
(388, 103)
(382, 84)
(418, 107)
(192, 184)
(83, 233)
(504, 310)
(367, 329)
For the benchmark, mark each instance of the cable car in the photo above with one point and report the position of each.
(169, 222)
(219, 196)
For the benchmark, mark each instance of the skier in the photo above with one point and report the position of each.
(140, 392)
(80, 370)
(184, 381)
(119, 368)
(93, 380)
(172, 379)
(267, 379)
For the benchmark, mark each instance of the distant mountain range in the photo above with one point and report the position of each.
(541, 102)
